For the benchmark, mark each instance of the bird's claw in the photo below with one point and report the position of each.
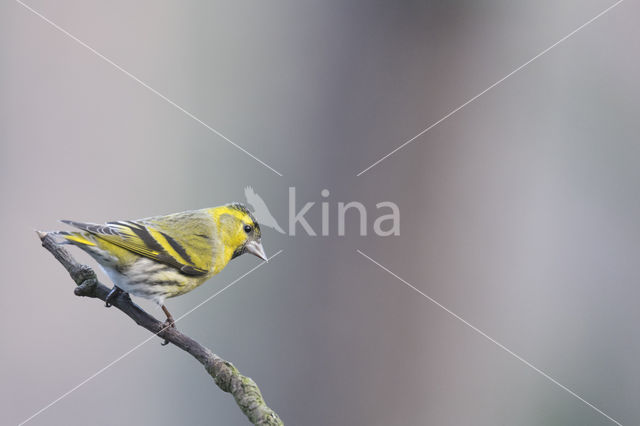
(115, 292)
(169, 322)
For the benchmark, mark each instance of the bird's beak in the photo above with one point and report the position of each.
(256, 249)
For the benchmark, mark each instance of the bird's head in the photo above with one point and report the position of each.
(238, 230)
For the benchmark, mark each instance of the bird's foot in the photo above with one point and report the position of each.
(114, 293)
(168, 323)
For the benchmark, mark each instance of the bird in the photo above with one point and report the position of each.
(166, 256)
(260, 209)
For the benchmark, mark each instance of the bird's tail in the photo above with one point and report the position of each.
(65, 237)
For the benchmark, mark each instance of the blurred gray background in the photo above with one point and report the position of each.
(520, 213)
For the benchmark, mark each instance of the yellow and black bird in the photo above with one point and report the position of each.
(166, 256)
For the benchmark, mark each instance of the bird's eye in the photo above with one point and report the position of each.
(247, 228)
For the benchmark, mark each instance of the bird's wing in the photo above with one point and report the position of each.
(146, 241)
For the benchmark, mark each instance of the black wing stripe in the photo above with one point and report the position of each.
(145, 236)
(163, 256)
(178, 248)
(190, 270)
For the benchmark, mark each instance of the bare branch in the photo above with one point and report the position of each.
(226, 375)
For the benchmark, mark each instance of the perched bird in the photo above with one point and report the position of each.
(166, 256)
(260, 209)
